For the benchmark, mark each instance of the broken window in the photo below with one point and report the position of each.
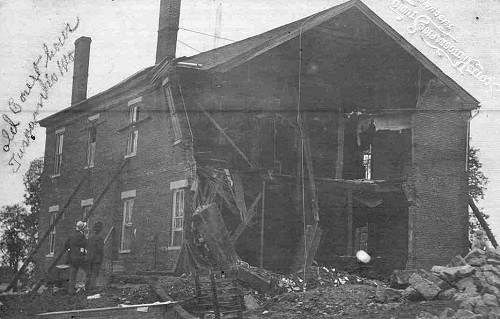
(52, 234)
(58, 152)
(127, 226)
(132, 143)
(92, 136)
(177, 217)
(173, 114)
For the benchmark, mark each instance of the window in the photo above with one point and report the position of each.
(133, 113)
(58, 152)
(52, 234)
(127, 226)
(367, 163)
(177, 217)
(132, 143)
(173, 114)
(91, 146)
(133, 116)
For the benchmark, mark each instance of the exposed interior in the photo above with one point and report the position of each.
(333, 120)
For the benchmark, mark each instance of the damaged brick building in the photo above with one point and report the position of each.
(311, 141)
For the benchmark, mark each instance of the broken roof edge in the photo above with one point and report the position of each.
(281, 34)
(79, 107)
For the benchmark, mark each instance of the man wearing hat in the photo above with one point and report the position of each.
(76, 244)
(95, 252)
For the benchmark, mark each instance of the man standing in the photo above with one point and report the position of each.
(95, 252)
(76, 244)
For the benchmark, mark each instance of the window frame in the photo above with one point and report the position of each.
(177, 220)
(132, 138)
(58, 152)
(174, 120)
(52, 234)
(128, 200)
(133, 133)
(91, 146)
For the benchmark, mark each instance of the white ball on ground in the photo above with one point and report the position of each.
(363, 256)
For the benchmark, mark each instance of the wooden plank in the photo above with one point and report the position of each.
(482, 222)
(310, 175)
(94, 206)
(349, 222)
(262, 220)
(339, 164)
(239, 196)
(243, 225)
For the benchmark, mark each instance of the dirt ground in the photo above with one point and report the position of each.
(345, 301)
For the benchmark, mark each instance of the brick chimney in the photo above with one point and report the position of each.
(170, 11)
(80, 70)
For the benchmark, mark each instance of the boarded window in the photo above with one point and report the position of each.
(58, 153)
(177, 217)
(127, 226)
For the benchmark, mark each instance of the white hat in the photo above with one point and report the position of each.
(363, 256)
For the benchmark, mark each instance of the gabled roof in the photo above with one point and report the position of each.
(229, 56)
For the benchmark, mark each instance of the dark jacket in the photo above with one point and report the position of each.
(95, 249)
(76, 244)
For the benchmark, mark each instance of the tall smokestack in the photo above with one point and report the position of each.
(170, 11)
(80, 70)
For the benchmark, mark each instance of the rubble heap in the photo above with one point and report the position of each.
(321, 276)
(472, 281)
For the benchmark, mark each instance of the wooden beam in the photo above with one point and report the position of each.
(94, 206)
(243, 225)
(310, 175)
(221, 130)
(482, 222)
(31, 255)
(239, 196)
(339, 165)
(262, 220)
(349, 222)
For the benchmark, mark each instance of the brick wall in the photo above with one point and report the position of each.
(439, 219)
(157, 163)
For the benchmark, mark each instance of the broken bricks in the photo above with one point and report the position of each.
(428, 289)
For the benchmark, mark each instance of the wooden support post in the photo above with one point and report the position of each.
(262, 219)
(44, 236)
(94, 206)
(482, 222)
(349, 223)
(310, 175)
(243, 225)
(339, 165)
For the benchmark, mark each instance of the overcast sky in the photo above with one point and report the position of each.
(123, 36)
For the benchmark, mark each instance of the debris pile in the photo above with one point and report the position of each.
(321, 276)
(472, 281)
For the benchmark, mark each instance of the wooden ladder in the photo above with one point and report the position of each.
(219, 295)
